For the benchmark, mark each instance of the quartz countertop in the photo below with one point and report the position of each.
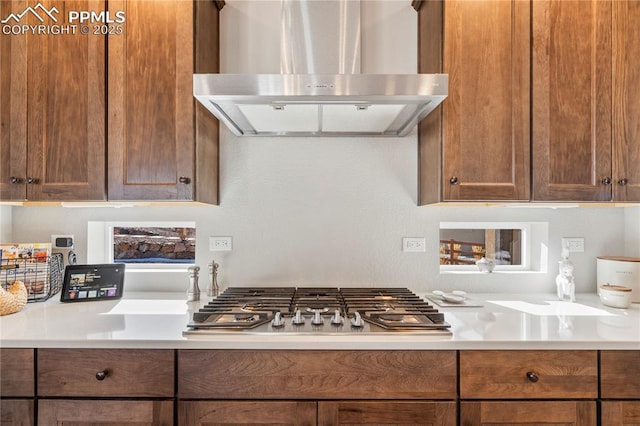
(157, 320)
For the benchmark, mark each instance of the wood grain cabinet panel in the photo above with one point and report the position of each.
(17, 372)
(237, 374)
(483, 136)
(578, 413)
(104, 412)
(53, 111)
(214, 413)
(572, 103)
(626, 106)
(528, 374)
(332, 413)
(109, 372)
(17, 412)
(160, 146)
(619, 373)
(13, 109)
(620, 413)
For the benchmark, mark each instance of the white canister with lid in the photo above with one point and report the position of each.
(615, 296)
(620, 271)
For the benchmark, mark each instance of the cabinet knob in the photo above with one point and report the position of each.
(101, 375)
(184, 179)
(533, 377)
(32, 181)
(453, 180)
(623, 182)
(14, 179)
(606, 181)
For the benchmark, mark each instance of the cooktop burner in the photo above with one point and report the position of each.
(317, 310)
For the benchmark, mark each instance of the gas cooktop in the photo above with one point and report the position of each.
(317, 310)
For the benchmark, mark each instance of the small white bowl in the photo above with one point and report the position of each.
(615, 296)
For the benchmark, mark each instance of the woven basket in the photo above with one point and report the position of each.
(13, 299)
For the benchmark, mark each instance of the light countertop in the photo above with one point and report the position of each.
(157, 320)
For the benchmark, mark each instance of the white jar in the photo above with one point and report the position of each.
(615, 296)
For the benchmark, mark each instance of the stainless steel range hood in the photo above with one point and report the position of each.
(320, 92)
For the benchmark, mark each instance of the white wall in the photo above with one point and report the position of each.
(333, 211)
(632, 231)
(5, 224)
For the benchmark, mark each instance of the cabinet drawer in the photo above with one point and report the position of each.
(16, 372)
(528, 374)
(619, 372)
(231, 374)
(112, 372)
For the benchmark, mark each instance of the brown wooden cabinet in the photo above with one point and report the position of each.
(17, 381)
(620, 413)
(52, 111)
(578, 413)
(585, 123)
(212, 413)
(620, 388)
(121, 412)
(332, 413)
(161, 146)
(522, 376)
(479, 147)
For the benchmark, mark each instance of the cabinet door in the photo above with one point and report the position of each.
(151, 107)
(66, 111)
(17, 372)
(386, 412)
(619, 372)
(61, 412)
(528, 413)
(626, 105)
(572, 100)
(619, 413)
(212, 413)
(16, 412)
(13, 108)
(486, 141)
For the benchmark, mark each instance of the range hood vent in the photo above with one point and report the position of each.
(320, 91)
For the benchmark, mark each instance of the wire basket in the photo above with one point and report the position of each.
(42, 276)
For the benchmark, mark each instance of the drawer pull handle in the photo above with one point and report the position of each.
(533, 377)
(101, 375)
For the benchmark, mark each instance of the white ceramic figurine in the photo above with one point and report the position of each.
(564, 280)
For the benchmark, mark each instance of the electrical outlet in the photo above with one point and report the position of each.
(220, 243)
(413, 244)
(573, 244)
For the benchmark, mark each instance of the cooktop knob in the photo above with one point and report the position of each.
(298, 319)
(356, 321)
(317, 317)
(277, 321)
(337, 318)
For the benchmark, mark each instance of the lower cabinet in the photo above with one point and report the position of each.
(528, 412)
(387, 413)
(620, 388)
(17, 412)
(60, 411)
(618, 413)
(212, 413)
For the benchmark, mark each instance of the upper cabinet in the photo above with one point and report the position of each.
(586, 122)
(66, 97)
(478, 147)
(577, 92)
(572, 100)
(52, 110)
(160, 146)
